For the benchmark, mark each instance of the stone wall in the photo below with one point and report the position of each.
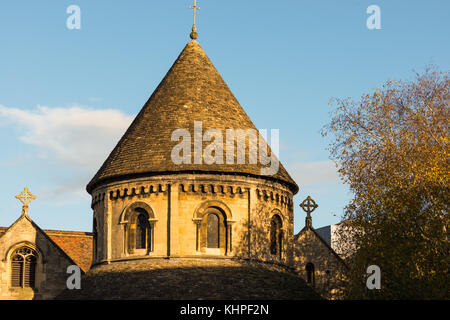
(51, 266)
(329, 268)
(177, 203)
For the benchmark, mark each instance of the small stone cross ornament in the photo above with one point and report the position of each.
(308, 205)
(25, 197)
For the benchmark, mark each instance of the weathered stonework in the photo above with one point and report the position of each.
(146, 206)
(182, 199)
(51, 266)
(191, 279)
(192, 90)
(328, 274)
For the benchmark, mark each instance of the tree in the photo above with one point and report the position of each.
(392, 148)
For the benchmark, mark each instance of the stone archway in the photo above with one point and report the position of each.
(139, 228)
(213, 221)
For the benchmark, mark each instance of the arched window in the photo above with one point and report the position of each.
(142, 231)
(139, 222)
(212, 231)
(310, 277)
(23, 267)
(276, 236)
(94, 240)
(139, 229)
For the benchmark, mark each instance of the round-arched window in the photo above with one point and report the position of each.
(276, 236)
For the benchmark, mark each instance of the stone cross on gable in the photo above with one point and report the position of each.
(25, 197)
(308, 205)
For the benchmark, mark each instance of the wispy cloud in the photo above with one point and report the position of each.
(73, 141)
(76, 135)
(79, 139)
(66, 191)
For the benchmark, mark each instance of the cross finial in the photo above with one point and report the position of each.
(25, 197)
(308, 205)
(194, 34)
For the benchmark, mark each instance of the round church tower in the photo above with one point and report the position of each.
(191, 177)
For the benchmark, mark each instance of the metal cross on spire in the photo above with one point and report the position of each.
(25, 197)
(195, 8)
(308, 205)
(194, 34)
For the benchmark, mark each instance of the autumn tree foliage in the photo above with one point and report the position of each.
(392, 148)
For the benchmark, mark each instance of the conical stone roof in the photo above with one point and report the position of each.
(192, 90)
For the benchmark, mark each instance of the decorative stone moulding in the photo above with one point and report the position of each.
(212, 189)
(120, 193)
(97, 199)
(135, 191)
(266, 195)
(274, 197)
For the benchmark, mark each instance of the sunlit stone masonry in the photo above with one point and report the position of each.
(148, 206)
(151, 207)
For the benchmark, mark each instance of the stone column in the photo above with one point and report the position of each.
(198, 223)
(230, 236)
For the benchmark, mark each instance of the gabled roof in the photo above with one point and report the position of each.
(306, 228)
(192, 90)
(75, 245)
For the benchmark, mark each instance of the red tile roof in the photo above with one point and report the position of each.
(77, 245)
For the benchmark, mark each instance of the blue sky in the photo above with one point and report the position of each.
(66, 96)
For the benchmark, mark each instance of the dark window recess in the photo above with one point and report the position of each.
(212, 231)
(310, 277)
(142, 232)
(276, 236)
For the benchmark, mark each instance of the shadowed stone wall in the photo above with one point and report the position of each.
(329, 268)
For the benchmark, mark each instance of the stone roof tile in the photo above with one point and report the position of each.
(192, 90)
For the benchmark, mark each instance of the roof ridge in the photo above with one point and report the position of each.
(68, 232)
